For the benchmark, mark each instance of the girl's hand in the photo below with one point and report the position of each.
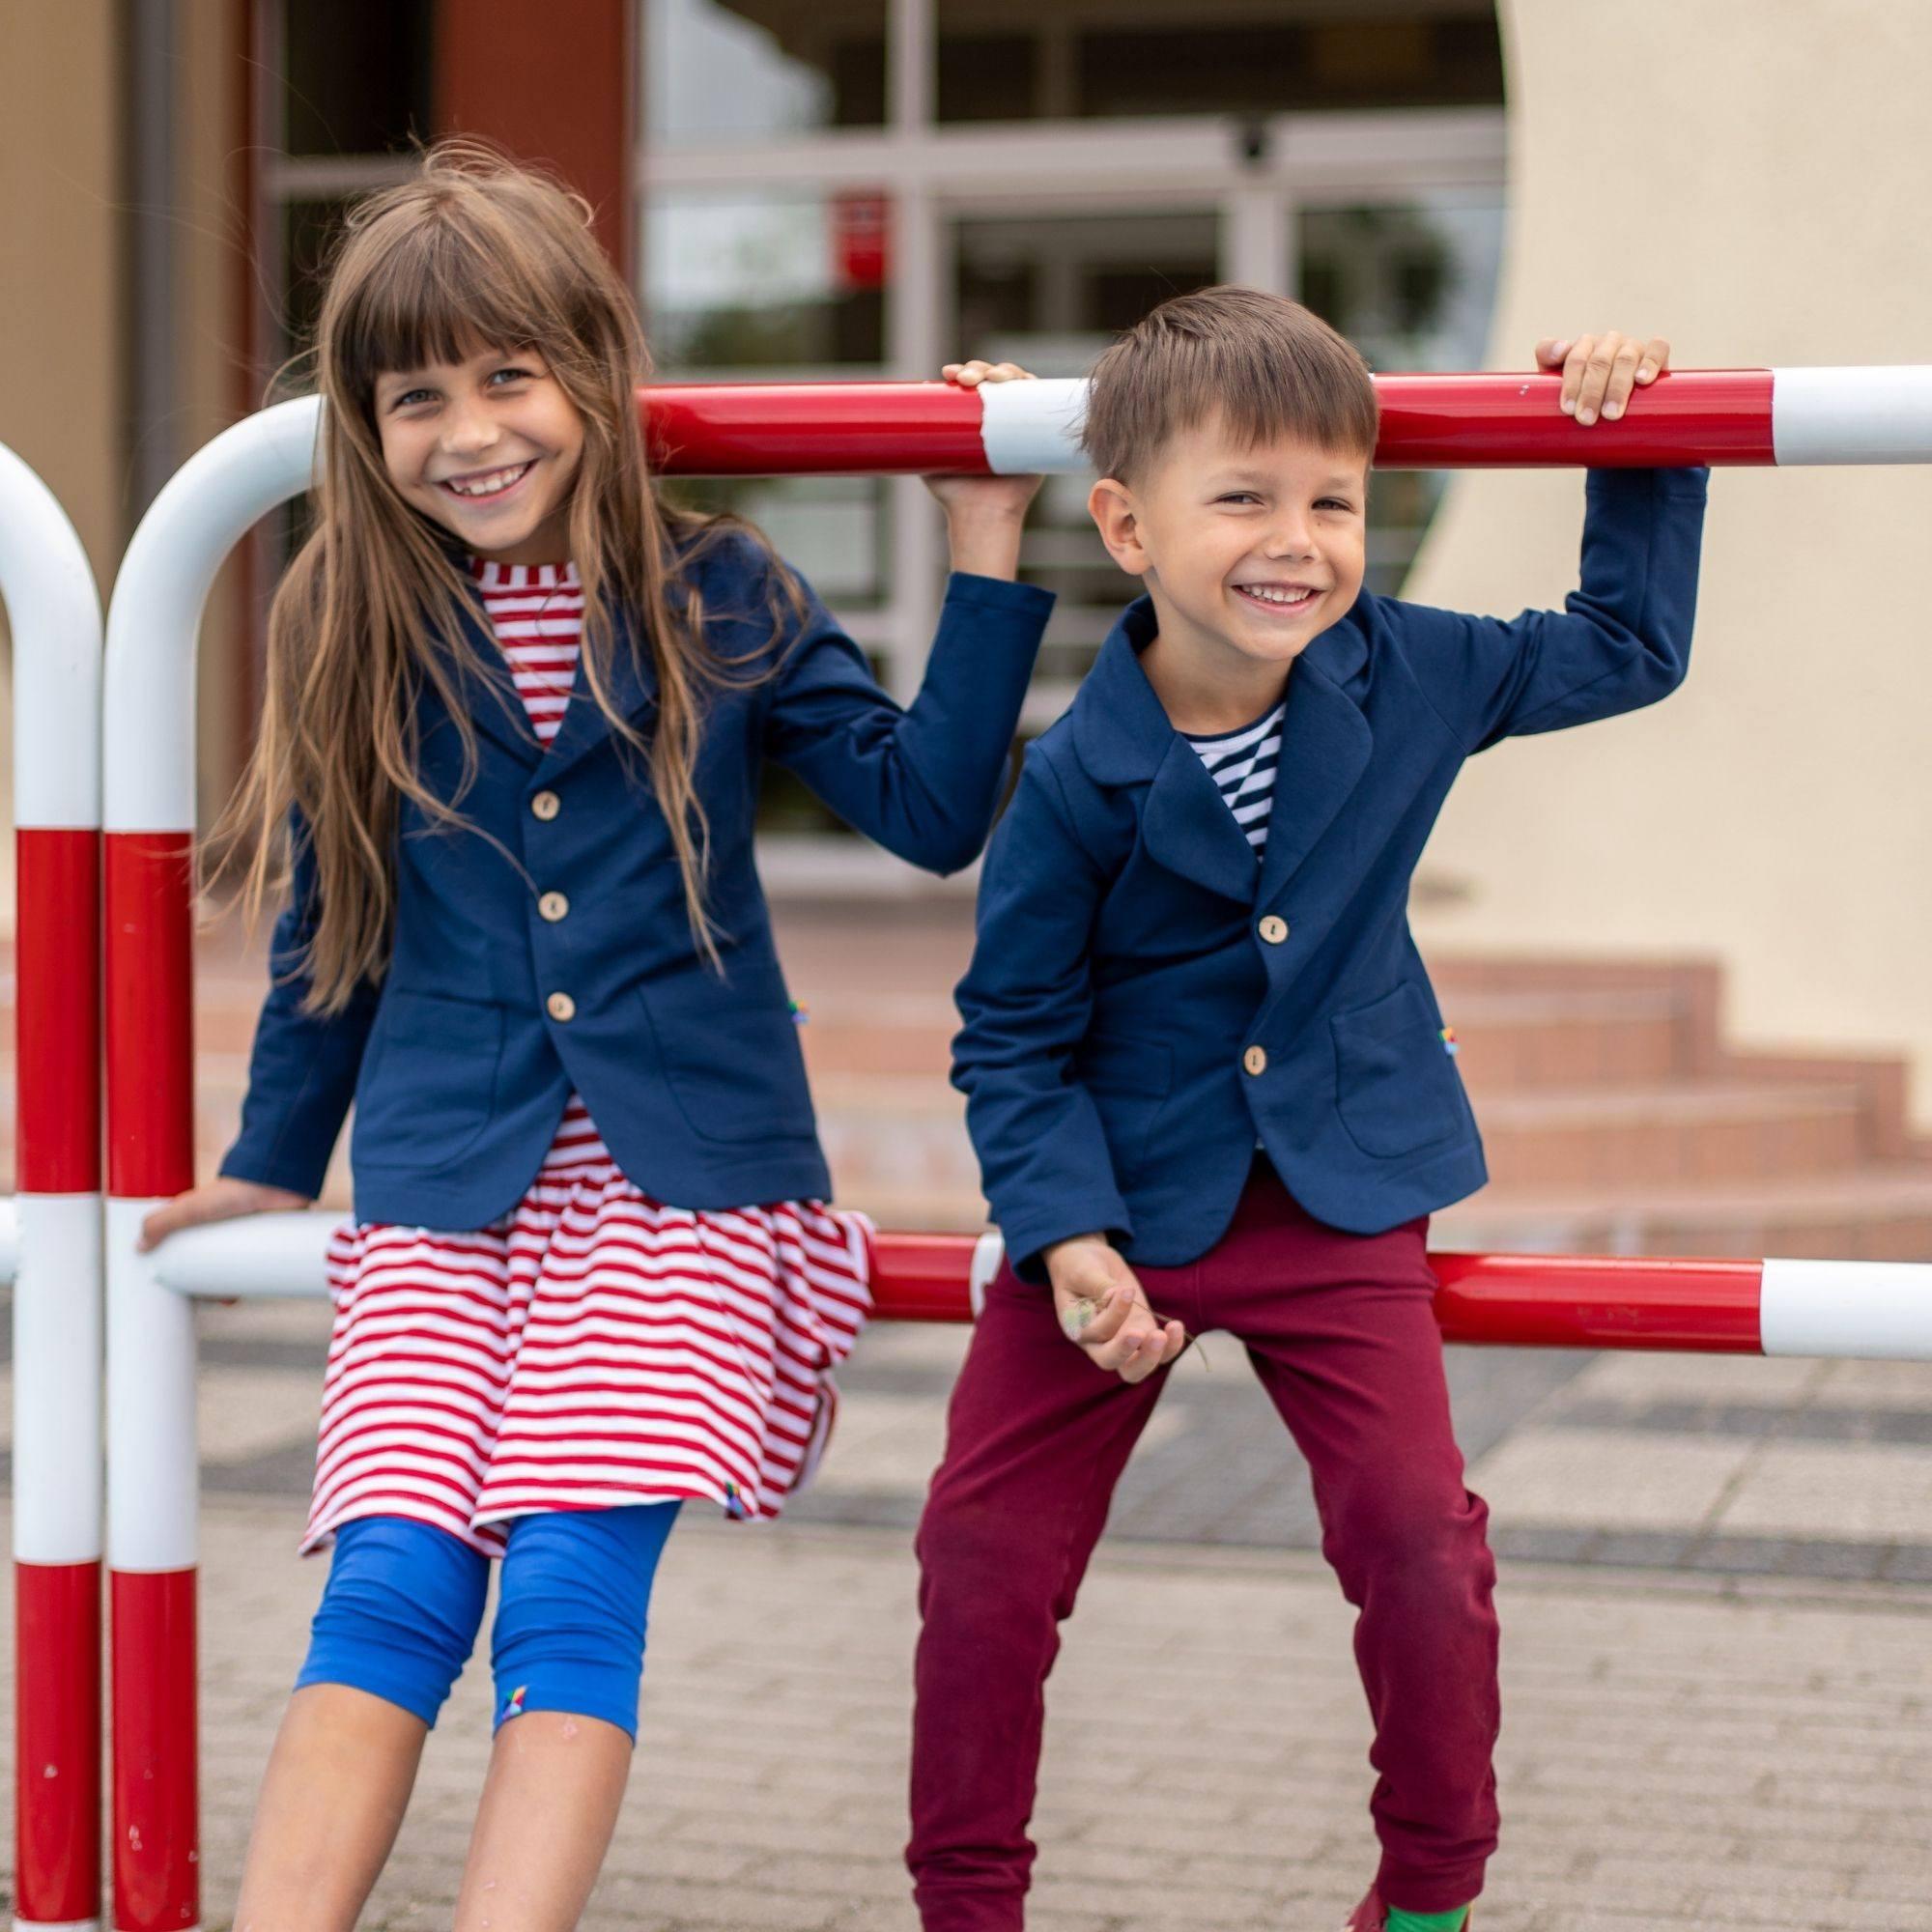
(225, 1199)
(1102, 1308)
(984, 513)
(1599, 371)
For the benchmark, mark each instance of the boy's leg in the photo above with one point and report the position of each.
(1341, 1331)
(1036, 1436)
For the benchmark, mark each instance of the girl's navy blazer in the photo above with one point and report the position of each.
(545, 945)
(1146, 1001)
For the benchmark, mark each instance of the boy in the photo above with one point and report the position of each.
(1206, 1078)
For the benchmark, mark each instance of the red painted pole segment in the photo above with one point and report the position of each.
(58, 964)
(156, 1763)
(1524, 1302)
(819, 428)
(57, 1743)
(1491, 421)
(149, 1015)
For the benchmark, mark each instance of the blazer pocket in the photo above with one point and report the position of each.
(736, 1072)
(1128, 1080)
(1396, 1087)
(429, 1082)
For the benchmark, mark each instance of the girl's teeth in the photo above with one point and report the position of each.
(488, 486)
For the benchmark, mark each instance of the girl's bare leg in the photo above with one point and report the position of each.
(332, 1799)
(549, 1804)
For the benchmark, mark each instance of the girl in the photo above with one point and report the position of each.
(516, 708)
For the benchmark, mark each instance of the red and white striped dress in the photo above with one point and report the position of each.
(595, 1346)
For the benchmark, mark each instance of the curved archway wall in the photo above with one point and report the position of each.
(1743, 176)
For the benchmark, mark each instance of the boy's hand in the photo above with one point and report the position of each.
(1599, 371)
(984, 513)
(225, 1199)
(1102, 1308)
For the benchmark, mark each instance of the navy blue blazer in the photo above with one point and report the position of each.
(1146, 1001)
(461, 1061)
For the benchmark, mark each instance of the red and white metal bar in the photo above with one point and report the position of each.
(1724, 416)
(1869, 1310)
(50, 1242)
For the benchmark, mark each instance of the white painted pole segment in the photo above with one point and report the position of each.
(1028, 427)
(153, 621)
(1875, 414)
(262, 1257)
(51, 598)
(152, 1471)
(1858, 1311)
(57, 1335)
(988, 1252)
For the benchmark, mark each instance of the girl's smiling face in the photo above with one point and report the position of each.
(488, 447)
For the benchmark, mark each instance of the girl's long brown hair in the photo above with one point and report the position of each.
(474, 251)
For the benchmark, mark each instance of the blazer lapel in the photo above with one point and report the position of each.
(488, 693)
(1123, 737)
(1325, 743)
(634, 690)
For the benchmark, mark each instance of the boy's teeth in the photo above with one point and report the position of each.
(1269, 594)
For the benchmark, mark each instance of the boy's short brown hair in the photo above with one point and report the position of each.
(1266, 366)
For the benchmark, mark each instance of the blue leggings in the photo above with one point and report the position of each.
(404, 1602)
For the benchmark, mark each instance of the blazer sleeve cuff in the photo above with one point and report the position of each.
(1028, 1237)
(244, 1162)
(1023, 602)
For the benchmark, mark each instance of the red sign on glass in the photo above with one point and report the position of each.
(861, 223)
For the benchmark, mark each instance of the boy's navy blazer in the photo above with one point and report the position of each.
(461, 1061)
(1146, 1001)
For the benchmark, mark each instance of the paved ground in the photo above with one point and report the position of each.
(1718, 1641)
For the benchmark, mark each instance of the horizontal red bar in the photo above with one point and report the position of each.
(814, 429)
(1525, 1301)
(1428, 422)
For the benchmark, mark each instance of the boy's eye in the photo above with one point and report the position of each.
(1334, 504)
(1238, 497)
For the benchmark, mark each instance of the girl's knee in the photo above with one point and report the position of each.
(573, 1611)
(398, 1614)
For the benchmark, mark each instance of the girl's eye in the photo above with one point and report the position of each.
(412, 396)
(511, 375)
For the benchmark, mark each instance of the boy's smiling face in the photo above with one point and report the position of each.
(1249, 553)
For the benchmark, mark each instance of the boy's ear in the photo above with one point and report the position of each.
(1111, 505)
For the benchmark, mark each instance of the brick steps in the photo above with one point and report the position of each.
(1615, 1116)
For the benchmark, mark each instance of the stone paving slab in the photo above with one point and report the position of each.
(1752, 1755)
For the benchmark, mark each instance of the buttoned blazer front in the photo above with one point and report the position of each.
(1146, 1001)
(543, 944)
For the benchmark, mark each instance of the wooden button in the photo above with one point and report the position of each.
(560, 1007)
(545, 805)
(1255, 1060)
(1274, 930)
(554, 906)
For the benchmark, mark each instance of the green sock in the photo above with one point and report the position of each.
(1427, 1922)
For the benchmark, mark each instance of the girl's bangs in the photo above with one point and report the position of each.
(435, 296)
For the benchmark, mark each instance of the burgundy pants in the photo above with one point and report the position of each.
(1340, 1330)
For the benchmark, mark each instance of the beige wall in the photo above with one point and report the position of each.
(1751, 178)
(62, 393)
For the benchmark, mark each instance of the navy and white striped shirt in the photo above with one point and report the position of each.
(1242, 763)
